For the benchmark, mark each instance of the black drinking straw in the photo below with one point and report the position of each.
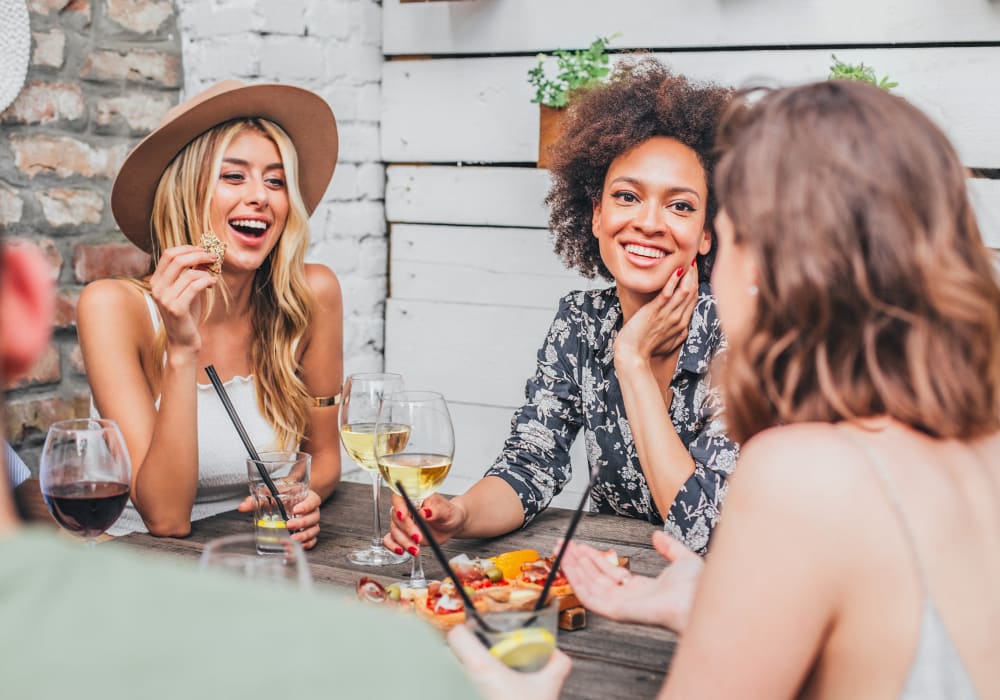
(443, 561)
(562, 550)
(235, 418)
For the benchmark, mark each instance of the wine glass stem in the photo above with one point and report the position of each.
(376, 497)
(90, 542)
(417, 579)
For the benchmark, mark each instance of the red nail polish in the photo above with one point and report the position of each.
(427, 512)
(416, 537)
(412, 550)
(398, 550)
(399, 515)
(680, 271)
(693, 262)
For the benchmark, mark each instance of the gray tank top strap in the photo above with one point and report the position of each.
(892, 495)
(937, 671)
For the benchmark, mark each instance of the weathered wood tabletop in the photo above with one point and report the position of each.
(610, 660)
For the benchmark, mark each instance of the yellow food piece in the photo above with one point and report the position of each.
(525, 649)
(269, 524)
(510, 562)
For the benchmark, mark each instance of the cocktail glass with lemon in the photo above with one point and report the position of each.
(524, 638)
(290, 473)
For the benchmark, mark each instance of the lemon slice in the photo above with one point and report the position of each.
(269, 524)
(525, 649)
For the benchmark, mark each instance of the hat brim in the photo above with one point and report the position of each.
(305, 117)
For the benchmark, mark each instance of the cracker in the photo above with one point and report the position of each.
(211, 243)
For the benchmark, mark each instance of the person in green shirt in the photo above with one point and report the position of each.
(108, 623)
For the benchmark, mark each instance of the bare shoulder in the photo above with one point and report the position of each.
(110, 299)
(323, 284)
(798, 465)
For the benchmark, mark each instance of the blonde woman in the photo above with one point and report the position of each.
(245, 165)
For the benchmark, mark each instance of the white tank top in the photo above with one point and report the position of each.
(222, 471)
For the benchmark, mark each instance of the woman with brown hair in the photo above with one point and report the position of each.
(860, 554)
(220, 194)
(626, 365)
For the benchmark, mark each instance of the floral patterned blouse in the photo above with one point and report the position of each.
(575, 386)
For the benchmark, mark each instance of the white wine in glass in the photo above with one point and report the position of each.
(420, 467)
(358, 410)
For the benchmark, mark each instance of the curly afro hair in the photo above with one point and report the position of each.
(642, 99)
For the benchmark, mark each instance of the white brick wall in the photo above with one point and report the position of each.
(334, 48)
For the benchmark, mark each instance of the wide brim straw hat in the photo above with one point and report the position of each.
(304, 115)
(16, 52)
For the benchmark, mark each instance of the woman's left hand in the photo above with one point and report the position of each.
(498, 682)
(304, 521)
(660, 326)
(619, 595)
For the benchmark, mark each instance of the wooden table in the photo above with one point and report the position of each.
(610, 660)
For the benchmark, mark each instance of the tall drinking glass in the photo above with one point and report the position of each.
(421, 466)
(85, 475)
(358, 411)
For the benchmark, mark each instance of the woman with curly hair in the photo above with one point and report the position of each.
(860, 553)
(220, 195)
(627, 365)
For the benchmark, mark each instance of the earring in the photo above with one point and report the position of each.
(752, 290)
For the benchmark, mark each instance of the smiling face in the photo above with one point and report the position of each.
(650, 219)
(249, 205)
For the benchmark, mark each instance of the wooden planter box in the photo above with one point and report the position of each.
(550, 121)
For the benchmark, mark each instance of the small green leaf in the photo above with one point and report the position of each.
(575, 70)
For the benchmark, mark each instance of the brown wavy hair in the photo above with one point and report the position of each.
(642, 99)
(876, 293)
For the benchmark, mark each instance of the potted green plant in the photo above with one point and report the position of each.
(866, 74)
(575, 70)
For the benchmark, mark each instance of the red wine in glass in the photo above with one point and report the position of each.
(85, 474)
(87, 508)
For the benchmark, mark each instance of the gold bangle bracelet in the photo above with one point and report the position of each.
(324, 401)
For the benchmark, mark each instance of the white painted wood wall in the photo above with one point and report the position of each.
(473, 281)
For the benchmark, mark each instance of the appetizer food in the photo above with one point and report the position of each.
(212, 244)
(484, 583)
(508, 581)
(534, 574)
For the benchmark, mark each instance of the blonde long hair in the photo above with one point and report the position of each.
(280, 300)
(876, 293)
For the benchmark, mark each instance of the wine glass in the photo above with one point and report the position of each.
(421, 466)
(85, 475)
(358, 410)
(238, 555)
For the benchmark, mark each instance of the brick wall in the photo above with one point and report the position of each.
(103, 73)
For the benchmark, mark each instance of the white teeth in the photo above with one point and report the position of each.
(250, 223)
(644, 251)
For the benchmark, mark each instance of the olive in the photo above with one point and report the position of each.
(393, 592)
(494, 574)
(469, 590)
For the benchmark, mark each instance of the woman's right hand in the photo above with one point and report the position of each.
(176, 286)
(660, 326)
(444, 517)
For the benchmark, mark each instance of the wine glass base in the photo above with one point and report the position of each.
(376, 556)
(415, 585)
